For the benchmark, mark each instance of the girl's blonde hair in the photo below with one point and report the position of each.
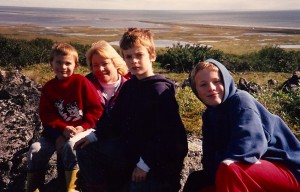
(138, 37)
(105, 50)
(64, 49)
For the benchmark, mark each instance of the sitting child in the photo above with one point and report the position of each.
(245, 147)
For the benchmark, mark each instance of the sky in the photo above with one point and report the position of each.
(160, 4)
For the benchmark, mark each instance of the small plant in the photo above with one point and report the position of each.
(191, 110)
(182, 58)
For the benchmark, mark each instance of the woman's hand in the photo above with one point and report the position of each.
(79, 129)
(81, 143)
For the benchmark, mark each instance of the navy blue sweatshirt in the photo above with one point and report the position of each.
(242, 129)
(146, 119)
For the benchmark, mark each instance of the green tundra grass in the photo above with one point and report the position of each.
(284, 105)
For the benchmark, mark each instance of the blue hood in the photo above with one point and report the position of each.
(229, 85)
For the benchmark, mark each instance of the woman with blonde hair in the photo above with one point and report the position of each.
(108, 72)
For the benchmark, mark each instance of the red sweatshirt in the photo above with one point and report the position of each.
(73, 101)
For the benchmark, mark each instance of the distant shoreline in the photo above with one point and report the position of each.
(230, 39)
(107, 18)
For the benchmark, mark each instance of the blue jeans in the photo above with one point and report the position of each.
(41, 151)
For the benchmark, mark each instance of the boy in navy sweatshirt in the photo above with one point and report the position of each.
(144, 126)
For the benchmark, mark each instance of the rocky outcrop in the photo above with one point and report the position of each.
(20, 127)
(292, 83)
(250, 86)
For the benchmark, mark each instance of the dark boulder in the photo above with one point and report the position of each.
(19, 127)
(250, 87)
(292, 83)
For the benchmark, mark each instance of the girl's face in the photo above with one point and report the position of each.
(104, 69)
(209, 87)
(138, 61)
(63, 66)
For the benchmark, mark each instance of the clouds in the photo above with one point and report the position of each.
(162, 5)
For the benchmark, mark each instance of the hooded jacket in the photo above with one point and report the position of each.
(146, 120)
(242, 129)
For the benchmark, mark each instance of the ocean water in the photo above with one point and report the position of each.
(101, 18)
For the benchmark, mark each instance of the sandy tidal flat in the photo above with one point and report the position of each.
(230, 39)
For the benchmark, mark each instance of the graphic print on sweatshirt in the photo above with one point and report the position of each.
(69, 113)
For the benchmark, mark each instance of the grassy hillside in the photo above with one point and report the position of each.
(284, 105)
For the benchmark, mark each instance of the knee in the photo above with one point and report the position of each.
(226, 167)
(196, 181)
(34, 156)
(69, 147)
(35, 147)
(233, 168)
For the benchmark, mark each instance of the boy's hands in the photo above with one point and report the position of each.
(81, 143)
(138, 175)
(71, 131)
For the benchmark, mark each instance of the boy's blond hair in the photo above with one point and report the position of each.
(64, 49)
(138, 37)
(200, 66)
(105, 50)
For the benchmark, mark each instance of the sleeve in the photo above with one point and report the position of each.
(48, 112)
(168, 144)
(248, 140)
(93, 108)
(142, 165)
(240, 132)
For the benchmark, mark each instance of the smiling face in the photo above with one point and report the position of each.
(139, 61)
(209, 87)
(104, 69)
(63, 65)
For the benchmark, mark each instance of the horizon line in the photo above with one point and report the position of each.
(225, 10)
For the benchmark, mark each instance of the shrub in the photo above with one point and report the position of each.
(81, 49)
(182, 58)
(276, 59)
(18, 54)
(21, 53)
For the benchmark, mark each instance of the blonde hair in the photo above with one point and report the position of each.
(64, 49)
(138, 37)
(200, 66)
(105, 50)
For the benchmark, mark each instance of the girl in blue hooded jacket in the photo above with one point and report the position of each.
(245, 147)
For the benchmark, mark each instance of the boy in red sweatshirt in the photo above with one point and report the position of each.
(69, 107)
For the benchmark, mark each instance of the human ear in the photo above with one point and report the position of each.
(152, 57)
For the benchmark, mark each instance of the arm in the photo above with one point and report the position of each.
(92, 106)
(248, 141)
(167, 146)
(48, 112)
